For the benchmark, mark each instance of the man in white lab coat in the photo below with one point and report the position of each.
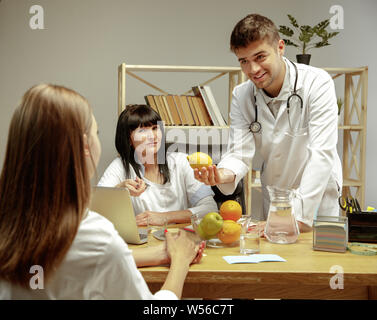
(298, 146)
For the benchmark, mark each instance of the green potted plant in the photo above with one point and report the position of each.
(308, 37)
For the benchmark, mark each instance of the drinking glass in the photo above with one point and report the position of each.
(250, 237)
(156, 227)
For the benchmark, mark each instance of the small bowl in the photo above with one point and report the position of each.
(213, 242)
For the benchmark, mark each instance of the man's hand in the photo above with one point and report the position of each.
(304, 227)
(212, 176)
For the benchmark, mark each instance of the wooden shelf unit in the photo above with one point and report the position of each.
(353, 120)
(353, 125)
(235, 77)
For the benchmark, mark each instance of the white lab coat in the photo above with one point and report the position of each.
(98, 265)
(306, 161)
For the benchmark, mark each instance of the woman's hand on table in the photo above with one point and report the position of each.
(199, 255)
(161, 256)
(151, 218)
(182, 251)
(181, 248)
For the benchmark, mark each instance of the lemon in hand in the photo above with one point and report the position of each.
(198, 160)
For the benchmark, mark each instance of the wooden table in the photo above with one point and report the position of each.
(306, 274)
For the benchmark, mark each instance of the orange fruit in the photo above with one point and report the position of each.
(230, 232)
(199, 160)
(231, 210)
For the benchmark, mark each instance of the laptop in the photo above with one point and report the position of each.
(115, 205)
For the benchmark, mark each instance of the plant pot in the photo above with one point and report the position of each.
(303, 58)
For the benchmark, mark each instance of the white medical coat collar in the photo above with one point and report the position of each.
(292, 75)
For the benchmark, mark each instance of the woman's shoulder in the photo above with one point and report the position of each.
(93, 219)
(116, 164)
(114, 173)
(115, 167)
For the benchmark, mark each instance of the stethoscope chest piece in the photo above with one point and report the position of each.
(255, 127)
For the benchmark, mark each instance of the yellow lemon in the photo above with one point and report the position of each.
(198, 160)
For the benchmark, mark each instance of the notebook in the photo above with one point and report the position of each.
(115, 205)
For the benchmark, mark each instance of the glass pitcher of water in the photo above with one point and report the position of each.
(281, 224)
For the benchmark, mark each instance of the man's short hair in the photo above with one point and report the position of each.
(252, 28)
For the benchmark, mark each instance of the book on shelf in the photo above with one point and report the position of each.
(200, 106)
(186, 109)
(211, 104)
(153, 103)
(199, 92)
(168, 110)
(173, 110)
(177, 101)
(162, 111)
(197, 111)
(182, 109)
(159, 109)
(150, 101)
(195, 115)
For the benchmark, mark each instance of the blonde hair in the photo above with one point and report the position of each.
(44, 184)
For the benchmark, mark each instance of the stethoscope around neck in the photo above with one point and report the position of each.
(256, 126)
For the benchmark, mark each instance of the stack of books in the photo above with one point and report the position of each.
(185, 110)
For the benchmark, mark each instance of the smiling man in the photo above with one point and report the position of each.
(287, 112)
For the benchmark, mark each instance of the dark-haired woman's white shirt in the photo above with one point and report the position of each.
(181, 193)
(99, 265)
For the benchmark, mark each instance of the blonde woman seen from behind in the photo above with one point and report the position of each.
(52, 152)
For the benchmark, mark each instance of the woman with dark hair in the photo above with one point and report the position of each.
(45, 225)
(161, 184)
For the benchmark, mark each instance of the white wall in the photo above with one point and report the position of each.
(84, 42)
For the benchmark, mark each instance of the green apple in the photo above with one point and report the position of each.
(212, 223)
(202, 234)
